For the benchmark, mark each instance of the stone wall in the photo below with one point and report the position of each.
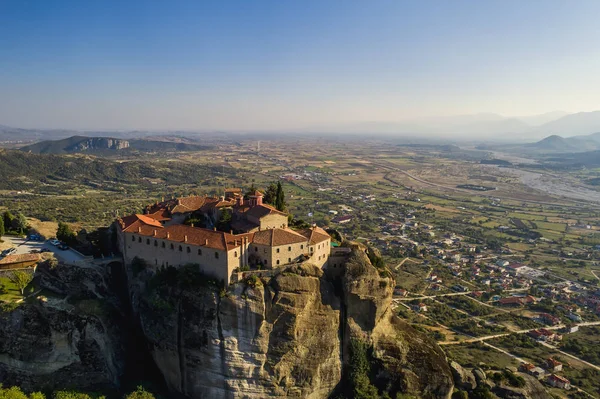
(213, 262)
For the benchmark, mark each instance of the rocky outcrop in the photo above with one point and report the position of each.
(274, 339)
(64, 337)
(463, 378)
(533, 389)
(99, 143)
(285, 336)
(409, 361)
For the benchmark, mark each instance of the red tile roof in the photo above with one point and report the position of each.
(315, 235)
(276, 237)
(263, 210)
(19, 258)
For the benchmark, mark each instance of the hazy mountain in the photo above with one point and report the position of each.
(76, 144)
(537, 120)
(581, 123)
(557, 143)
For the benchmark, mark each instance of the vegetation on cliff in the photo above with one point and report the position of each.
(16, 393)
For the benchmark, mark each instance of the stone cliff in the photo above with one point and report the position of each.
(65, 336)
(99, 143)
(285, 335)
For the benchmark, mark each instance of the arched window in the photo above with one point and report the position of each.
(189, 250)
(277, 250)
(216, 255)
(235, 254)
(199, 252)
(172, 246)
(155, 243)
(289, 260)
(302, 246)
(265, 262)
(277, 261)
(140, 239)
(180, 248)
(133, 238)
(147, 241)
(163, 244)
(289, 249)
(255, 249)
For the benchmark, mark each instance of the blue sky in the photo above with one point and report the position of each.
(291, 64)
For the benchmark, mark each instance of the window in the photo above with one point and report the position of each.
(140, 239)
(132, 238)
(189, 250)
(199, 252)
(277, 261)
(277, 250)
(265, 262)
(155, 243)
(147, 241)
(265, 250)
(289, 249)
(302, 246)
(235, 254)
(216, 255)
(312, 249)
(163, 244)
(180, 248)
(255, 249)
(289, 260)
(172, 246)
(319, 257)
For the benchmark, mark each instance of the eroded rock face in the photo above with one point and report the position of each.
(284, 337)
(277, 339)
(533, 389)
(463, 378)
(53, 343)
(409, 361)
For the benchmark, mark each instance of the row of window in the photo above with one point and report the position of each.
(172, 246)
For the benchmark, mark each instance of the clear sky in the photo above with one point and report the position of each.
(291, 64)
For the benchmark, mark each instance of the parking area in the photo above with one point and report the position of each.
(24, 247)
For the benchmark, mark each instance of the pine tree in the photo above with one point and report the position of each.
(280, 197)
(271, 194)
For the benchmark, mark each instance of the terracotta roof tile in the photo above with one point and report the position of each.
(276, 237)
(19, 258)
(315, 235)
(263, 210)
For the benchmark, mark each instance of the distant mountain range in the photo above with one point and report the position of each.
(80, 144)
(482, 127)
(557, 143)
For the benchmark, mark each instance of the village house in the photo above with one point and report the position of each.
(263, 238)
(553, 365)
(549, 319)
(421, 307)
(558, 382)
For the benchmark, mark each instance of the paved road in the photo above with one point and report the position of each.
(24, 247)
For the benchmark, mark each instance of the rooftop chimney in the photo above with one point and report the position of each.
(168, 235)
(185, 238)
(214, 229)
(154, 233)
(192, 224)
(206, 242)
(139, 229)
